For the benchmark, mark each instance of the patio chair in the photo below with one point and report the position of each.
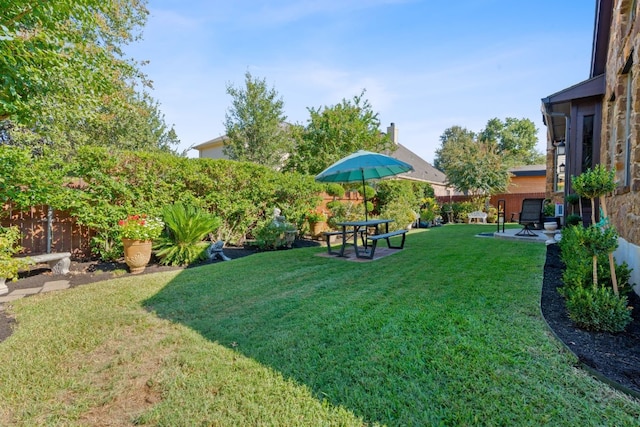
(530, 215)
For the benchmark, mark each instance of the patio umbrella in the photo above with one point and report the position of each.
(361, 166)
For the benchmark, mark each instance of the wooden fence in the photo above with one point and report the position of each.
(66, 234)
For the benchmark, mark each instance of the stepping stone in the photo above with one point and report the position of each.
(27, 291)
(56, 285)
(9, 298)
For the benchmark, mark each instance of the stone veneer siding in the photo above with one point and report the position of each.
(623, 206)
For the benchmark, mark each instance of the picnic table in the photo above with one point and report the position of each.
(352, 229)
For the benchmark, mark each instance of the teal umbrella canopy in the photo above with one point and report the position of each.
(361, 166)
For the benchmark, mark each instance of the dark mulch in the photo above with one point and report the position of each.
(614, 356)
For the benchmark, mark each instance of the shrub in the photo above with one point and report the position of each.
(9, 265)
(186, 227)
(429, 210)
(492, 215)
(597, 308)
(572, 199)
(578, 262)
(343, 211)
(271, 235)
(401, 214)
(549, 208)
(335, 190)
(573, 219)
(462, 209)
(391, 190)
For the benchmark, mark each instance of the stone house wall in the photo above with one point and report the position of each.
(623, 58)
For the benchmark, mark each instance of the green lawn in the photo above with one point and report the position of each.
(446, 332)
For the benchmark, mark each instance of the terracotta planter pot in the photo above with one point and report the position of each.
(137, 254)
(317, 228)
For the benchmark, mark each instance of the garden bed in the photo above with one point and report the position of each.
(614, 356)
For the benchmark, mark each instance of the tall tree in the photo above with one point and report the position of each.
(63, 68)
(336, 131)
(472, 166)
(515, 139)
(255, 125)
(455, 136)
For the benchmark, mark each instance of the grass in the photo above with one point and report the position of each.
(446, 332)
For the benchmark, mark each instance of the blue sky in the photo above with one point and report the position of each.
(426, 65)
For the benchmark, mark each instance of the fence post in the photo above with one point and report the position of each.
(49, 228)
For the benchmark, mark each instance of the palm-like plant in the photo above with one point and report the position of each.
(186, 227)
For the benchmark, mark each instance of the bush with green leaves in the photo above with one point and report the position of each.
(335, 190)
(573, 219)
(462, 209)
(597, 308)
(182, 242)
(271, 235)
(401, 214)
(343, 211)
(9, 265)
(429, 209)
(108, 184)
(578, 262)
(394, 190)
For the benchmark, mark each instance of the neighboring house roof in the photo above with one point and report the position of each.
(422, 170)
(211, 143)
(529, 170)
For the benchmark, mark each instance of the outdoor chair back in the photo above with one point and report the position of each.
(530, 215)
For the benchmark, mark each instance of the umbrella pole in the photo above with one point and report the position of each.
(366, 218)
(364, 195)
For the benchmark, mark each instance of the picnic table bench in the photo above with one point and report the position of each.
(349, 233)
(375, 237)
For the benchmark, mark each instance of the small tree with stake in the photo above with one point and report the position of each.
(596, 183)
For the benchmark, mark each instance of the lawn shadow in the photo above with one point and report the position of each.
(346, 341)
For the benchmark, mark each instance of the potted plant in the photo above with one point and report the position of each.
(138, 232)
(549, 213)
(317, 222)
(9, 265)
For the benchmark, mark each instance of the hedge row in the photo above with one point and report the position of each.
(100, 187)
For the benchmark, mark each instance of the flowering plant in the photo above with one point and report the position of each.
(140, 227)
(315, 216)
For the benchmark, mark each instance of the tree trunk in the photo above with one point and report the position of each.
(595, 270)
(612, 264)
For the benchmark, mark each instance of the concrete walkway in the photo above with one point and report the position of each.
(54, 285)
(510, 234)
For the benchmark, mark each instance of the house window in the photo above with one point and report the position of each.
(627, 130)
(560, 166)
(587, 142)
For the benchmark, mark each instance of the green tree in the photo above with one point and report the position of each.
(473, 167)
(514, 139)
(255, 125)
(335, 132)
(65, 76)
(455, 136)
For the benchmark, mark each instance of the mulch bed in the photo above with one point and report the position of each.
(616, 357)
